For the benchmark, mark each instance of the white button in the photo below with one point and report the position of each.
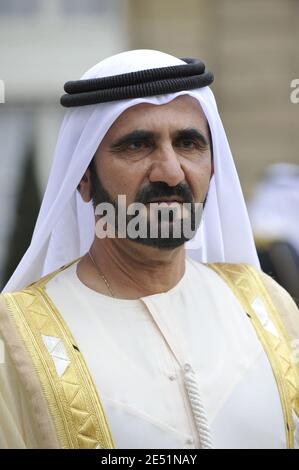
(171, 377)
(189, 441)
(187, 367)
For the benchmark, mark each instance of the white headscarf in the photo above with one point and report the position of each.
(65, 226)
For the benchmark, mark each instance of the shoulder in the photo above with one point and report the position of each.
(276, 290)
(284, 303)
(279, 296)
(39, 283)
(241, 275)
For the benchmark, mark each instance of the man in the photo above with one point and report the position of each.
(131, 343)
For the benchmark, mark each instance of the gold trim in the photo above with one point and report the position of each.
(246, 284)
(72, 398)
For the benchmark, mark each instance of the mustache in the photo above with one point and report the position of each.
(160, 189)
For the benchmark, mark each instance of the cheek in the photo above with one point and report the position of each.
(121, 177)
(198, 176)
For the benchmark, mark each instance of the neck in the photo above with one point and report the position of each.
(134, 270)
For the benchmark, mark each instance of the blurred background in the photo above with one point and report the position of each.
(253, 50)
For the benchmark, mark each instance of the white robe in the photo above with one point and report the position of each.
(140, 352)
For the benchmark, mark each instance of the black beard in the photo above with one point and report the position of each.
(158, 190)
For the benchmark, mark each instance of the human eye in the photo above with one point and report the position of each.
(190, 144)
(134, 149)
(137, 145)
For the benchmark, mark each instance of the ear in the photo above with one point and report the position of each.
(84, 187)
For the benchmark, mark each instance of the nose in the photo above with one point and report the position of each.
(166, 167)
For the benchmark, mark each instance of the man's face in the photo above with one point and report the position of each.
(156, 153)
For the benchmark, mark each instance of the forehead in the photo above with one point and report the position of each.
(182, 112)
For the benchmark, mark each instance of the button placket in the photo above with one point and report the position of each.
(186, 382)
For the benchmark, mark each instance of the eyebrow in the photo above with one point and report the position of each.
(146, 135)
